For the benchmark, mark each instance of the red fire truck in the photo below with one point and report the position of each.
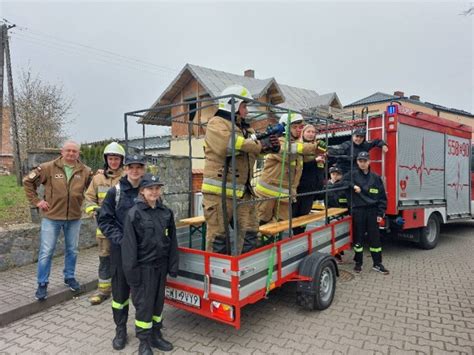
(428, 171)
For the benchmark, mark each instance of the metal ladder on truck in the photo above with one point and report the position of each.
(368, 129)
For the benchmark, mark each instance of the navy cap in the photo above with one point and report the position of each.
(363, 156)
(335, 169)
(359, 132)
(134, 159)
(149, 180)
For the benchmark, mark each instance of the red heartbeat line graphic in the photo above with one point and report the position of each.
(422, 167)
(457, 185)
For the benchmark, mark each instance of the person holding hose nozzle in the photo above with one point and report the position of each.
(217, 185)
(273, 175)
(369, 202)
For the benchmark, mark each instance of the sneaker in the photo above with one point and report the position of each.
(358, 268)
(72, 284)
(41, 292)
(380, 268)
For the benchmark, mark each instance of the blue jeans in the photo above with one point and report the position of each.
(50, 230)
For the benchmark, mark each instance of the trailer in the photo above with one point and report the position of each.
(218, 286)
(428, 171)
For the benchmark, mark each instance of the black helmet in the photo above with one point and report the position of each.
(149, 180)
(363, 156)
(359, 132)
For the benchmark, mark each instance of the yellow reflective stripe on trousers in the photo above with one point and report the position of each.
(270, 190)
(143, 325)
(358, 249)
(91, 208)
(376, 250)
(157, 319)
(117, 305)
(215, 187)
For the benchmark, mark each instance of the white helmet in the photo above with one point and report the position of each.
(225, 103)
(115, 149)
(291, 117)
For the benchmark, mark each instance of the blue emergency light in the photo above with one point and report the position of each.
(392, 109)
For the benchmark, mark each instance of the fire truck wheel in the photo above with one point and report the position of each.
(318, 293)
(429, 235)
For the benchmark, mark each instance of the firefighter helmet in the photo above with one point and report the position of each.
(291, 117)
(113, 149)
(225, 103)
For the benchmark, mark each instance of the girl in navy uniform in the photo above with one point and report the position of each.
(149, 254)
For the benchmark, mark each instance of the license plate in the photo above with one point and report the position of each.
(185, 297)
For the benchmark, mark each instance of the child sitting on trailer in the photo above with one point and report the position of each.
(149, 253)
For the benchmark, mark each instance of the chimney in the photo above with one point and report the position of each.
(249, 73)
(414, 97)
(399, 93)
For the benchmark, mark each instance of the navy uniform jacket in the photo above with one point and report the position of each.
(112, 217)
(344, 163)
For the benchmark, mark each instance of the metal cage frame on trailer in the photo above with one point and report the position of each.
(303, 242)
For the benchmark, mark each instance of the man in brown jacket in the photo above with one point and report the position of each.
(64, 179)
(218, 146)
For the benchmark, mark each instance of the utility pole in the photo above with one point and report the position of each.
(2, 56)
(11, 95)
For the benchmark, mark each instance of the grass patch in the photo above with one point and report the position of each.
(14, 207)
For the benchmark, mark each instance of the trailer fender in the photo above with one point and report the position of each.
(319, 292)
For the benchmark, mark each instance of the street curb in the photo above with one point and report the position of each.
(35, 306)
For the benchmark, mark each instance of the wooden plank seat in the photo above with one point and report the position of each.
(198, 224)
(275, 228)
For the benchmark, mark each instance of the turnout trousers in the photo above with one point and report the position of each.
(364, 222)
(215, 233)
(148, 298)
(120, 288)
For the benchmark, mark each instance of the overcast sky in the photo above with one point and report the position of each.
(352, 48)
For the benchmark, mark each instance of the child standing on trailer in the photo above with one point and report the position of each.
(149, 253)
(312, 178)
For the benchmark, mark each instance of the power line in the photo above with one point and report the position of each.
(76, 51)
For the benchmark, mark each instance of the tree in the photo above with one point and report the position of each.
(43, 111)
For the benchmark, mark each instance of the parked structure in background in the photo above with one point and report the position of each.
(6, 149)
(377, 103)
(195, 82)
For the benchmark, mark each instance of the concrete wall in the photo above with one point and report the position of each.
(19, 243)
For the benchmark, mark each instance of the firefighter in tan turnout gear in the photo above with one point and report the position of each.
(114, 155)
(268, 184)
(218, 168)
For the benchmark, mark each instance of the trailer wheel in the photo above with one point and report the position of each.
(318, 293)
(429, 235)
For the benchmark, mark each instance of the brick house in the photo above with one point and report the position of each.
(6, 151)
(195, 82)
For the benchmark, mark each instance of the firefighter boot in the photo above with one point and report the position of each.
(220, 245)
(105, 286)
(120, 339)
(157, 340)
(250, 241)
(144, 348)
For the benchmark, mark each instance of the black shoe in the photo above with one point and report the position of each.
(72, 284)
(158, 342)
(358, 268)
(380, 268)
(144, 348)
(42, 291)
(120, 339)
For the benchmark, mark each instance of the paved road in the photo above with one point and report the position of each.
(426, 306)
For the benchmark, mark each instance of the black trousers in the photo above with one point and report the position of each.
(148, 298)
(364, 222)
(302, 207)
(120, 288)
